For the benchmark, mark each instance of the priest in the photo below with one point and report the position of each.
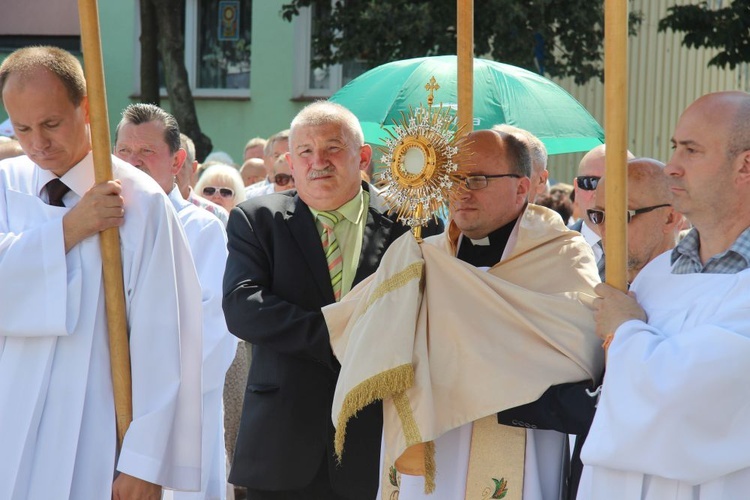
(481, 319)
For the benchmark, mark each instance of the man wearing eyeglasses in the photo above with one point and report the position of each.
(672, 417)
(590, 170)
(653, 224)
(508, 322)
(282, 176)
(538, 152)
(148, 138)
(276, 147)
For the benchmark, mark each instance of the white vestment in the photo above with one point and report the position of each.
(208, 244)
(57, 422)
(543, 467)
(672, 420)
(543, 462)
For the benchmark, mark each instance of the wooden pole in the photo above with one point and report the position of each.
(616, 133)
(465, 53)
(110, 239)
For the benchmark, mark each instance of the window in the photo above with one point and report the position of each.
(312, 81)
(217, 48)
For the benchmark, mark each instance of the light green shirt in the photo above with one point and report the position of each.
(349, 233)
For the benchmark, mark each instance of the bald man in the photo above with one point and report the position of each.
(252, 171)
(590, 170)
(653, 224)
(673, 413)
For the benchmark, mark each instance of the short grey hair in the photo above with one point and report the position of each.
(271, 142)
(537, 150)
(326, 112)
(188, 145)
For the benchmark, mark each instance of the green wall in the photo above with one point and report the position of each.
(228, 122)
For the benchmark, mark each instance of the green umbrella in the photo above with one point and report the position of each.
(502, 94)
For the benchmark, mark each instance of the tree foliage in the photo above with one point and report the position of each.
(726, 28)
(554, 37)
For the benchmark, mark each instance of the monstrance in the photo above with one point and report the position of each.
(420, 156)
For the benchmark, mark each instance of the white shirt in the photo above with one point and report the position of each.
(59, 438)
(673, 413)
(208, 245)
(593, 240)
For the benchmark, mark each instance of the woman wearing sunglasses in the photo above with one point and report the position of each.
(221, 184)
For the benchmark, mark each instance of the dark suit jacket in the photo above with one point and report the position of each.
(276, 283)
(564, 408)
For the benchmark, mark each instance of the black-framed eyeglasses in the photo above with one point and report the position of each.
(588, 182)
(223, 192)
(282, 179)
(475, 182)
(597, 216)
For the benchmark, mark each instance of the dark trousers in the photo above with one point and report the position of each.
(319, 489)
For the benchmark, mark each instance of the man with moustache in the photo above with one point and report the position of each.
(290, 254)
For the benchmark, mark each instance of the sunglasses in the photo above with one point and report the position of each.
(588, 182)
(224, 192)
(476, 182)
(282, 179)
(597, 216)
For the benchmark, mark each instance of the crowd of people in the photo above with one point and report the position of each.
(290, 339)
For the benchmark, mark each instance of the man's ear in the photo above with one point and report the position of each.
(85, 107)
(365, 155)
(524, 185)
(674, 221)
(179, 160)
(744, 166)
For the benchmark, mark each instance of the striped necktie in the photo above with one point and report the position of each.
(601, 264)
(332, 250)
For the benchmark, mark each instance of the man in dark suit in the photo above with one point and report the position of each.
(278, 278)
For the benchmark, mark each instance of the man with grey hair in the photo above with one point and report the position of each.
(148, 138)
(538, 153)
(276, 147)
(184, 178)
(290, 254)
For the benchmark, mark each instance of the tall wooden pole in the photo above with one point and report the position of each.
(616, 133)
(465, 53)
(110, 239)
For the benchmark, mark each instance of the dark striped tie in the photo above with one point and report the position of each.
(601, 264)
(56, 189)
(332, 250)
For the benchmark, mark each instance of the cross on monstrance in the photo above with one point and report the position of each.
(431, 87)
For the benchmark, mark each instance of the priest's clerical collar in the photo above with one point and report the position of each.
(486, 251)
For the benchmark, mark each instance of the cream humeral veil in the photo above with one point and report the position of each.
(443, 343)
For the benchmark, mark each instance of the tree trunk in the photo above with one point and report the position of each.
(172, 50)
(149, 54)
